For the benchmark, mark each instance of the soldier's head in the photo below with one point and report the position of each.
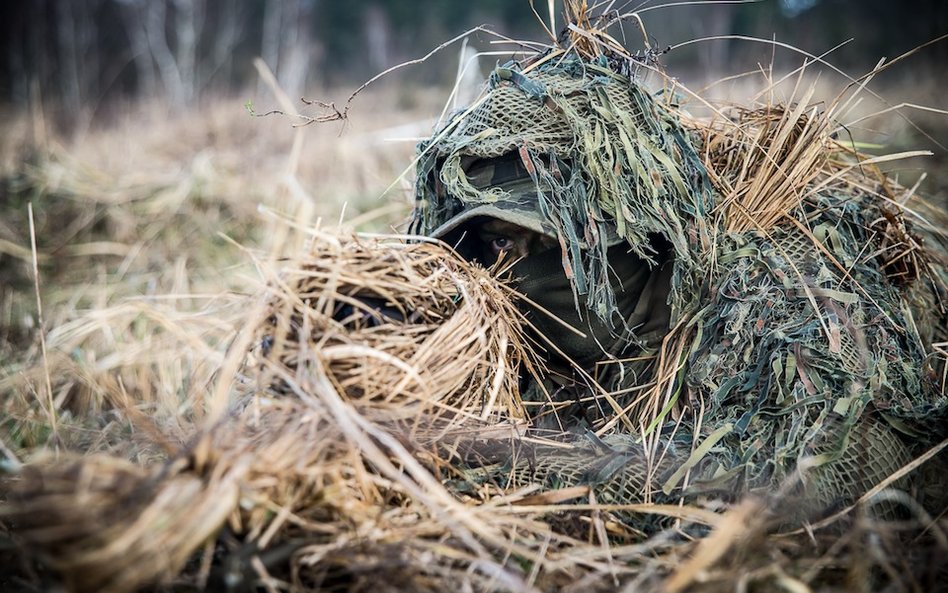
(512, 232)
(586, 180)
(499, 241)
(508, 228)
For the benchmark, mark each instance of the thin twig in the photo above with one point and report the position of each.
(51, 412)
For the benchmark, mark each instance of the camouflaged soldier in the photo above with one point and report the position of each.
(511, 232)
(746, 352)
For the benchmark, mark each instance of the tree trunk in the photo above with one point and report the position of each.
(132, 15)
(68, 57)
(230, 27)
(294, 64)
(88, 51)
(189, 19)
(378, 38)
(155, 21)
(270, 43)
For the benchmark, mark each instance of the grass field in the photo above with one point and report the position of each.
(128, 252)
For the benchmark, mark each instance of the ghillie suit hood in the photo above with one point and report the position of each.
(796, 297)
(607, 162)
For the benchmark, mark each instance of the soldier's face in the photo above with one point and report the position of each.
(501, 239)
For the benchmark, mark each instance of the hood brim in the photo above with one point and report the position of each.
(525, 219)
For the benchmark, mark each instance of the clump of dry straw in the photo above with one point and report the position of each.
(406, 330)
(357, 329)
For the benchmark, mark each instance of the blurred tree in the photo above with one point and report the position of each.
(189, 20)
(133, 17)
(231, 20)
(155, 20)
(286, 47)
(74, 53)
(378, 37)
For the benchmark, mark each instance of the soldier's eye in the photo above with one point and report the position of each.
(501, 244)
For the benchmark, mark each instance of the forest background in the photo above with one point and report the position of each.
(79, 57)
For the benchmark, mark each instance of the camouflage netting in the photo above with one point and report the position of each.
(573, 114)
(797, 298)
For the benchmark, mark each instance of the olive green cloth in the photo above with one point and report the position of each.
(641, 316)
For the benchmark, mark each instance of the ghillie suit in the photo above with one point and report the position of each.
(778, 308)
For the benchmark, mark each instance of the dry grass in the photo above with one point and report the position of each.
(343, 465)
(218, 422)
(129, 206)
(135, 226)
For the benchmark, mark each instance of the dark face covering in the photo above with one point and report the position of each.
(641, 292)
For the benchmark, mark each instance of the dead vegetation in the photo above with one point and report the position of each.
(193, 427)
